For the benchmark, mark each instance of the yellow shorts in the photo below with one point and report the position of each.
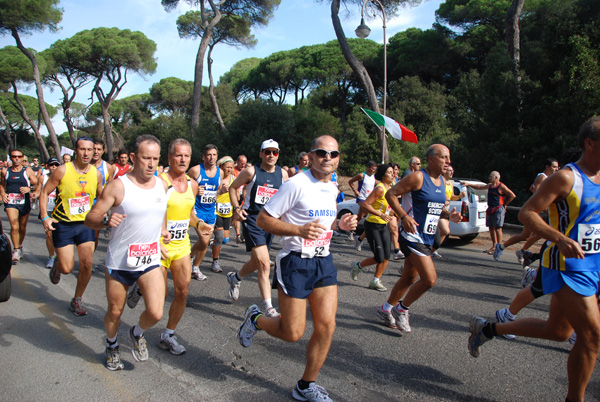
(176, 253)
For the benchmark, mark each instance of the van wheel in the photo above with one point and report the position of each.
(5, 289)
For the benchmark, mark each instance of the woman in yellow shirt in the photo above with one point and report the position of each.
(376, 227)
(224, 211)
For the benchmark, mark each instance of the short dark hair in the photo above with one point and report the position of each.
(99, 142)
(84, 138)
(589, 129)
(144, 138)
(371, 163)
(549, 161)
(381, 169)
(208, 147)
(121, 152)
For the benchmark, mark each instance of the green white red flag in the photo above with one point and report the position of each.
(396, 129)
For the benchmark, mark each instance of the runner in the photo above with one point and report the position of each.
(366, 183)
(208, 176)
(66, 158)
(240, 165)
(444, 224)
(414, 165)
(139, 203)
(376, 228)
(78, 184)
(303, 212)
(301, 166)
(423, 199)
(263, 181)
(52, 164)
(122, 166)
(107, 171)
(224, 211)
(15, 188)
(570, 263)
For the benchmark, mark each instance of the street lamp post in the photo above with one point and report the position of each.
(362, 32)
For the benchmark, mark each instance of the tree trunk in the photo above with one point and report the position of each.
(211, 91)
(513, 42)
(40, 93)
(360, 71)
(107, 132)
(6, 139)
(199, 68)
(31, 123)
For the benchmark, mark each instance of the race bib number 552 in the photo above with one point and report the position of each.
(589, 238)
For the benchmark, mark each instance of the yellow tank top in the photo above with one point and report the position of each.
(76, 193)
(224, 203)
(449, 189)
(380, 205)
(179, 207)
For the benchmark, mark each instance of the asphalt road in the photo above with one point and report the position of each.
(48, 354)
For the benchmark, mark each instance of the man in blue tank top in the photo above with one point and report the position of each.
(208, 176)
(423, 199)
(570, 263)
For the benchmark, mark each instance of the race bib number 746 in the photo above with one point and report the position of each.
(141, 256)
(589, 238)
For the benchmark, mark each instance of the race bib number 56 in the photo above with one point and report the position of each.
(141, 256)
(318, 247)
(589, 238)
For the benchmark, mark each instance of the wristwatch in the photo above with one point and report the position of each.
(105, 220)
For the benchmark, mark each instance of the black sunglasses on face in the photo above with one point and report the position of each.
(321, 153)
(270, 152)
(16, 156)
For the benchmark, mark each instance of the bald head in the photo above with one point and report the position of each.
(323, 141)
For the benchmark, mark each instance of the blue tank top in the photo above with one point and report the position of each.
(207, 202)
(16, 180)
(103, 169)
(577, 217)
(494, 197)
(427, 205)
(264, 185)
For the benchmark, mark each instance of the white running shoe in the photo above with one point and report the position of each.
(401, 318)
(50, 262)
(520, 257)
(358, 243)
(377, 285)
(216, 267)
(398, 256)
(502, 316)
(199, 276)
(314, 393)
(529, 276)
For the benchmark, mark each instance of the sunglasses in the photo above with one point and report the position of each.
(321, 153)
(16, 156)
(270, 152)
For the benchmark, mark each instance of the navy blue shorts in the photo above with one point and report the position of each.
(298, 276)
(254, 235)
(66, 233)
(128, 277)
(24, 209)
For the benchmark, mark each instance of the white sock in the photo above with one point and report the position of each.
(195, 268)
(169, 332)
(509, 315)
(387, 307)
(268, 304)
(137, 331)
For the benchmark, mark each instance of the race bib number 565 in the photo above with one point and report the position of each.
(589, 238)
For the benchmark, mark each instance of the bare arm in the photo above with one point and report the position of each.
(367, 206)
(408, 184)
(509, 195)
(243, 178)
(49, 187)
(356, 178)
(311, 230)
(111, 196)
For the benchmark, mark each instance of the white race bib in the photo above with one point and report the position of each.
(51, 201)
(589, 238)
(16, 198)
(178, 229)
(80, 205)
(224, 208)
(264, 194)
(209, 197)
(431, 224)
(318, 247)
(141, 256)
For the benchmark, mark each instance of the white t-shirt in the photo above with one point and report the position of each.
(300, 200)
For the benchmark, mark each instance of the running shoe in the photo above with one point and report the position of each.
(436, 255)
(113, 359)
(358, 243)
(272, 312)
(519, 254)
(502, 316)
(247, 330)
(216, 267)
(50, 262)
(376, 284)
(133, 296)
(169, 342)
(498, 250)
(398, 256)
(387, 317)
(477, 338)
(314, 393)
(401, 318)
(196, 274)
(140, 350)
(77, 307)
(16, 255)
(234, 286)
(54, 275)
(529, 276)
(527, 259)
(355, 270)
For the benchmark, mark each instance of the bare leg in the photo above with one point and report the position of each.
(86, 253)
(181, 271)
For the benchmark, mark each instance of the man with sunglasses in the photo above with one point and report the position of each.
(303, 213)
(78, 184)
(414, 164)
(15, 189)
(262, 181)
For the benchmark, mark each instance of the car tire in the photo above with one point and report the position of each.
(5, 286)
(469, 237)
(342, 213)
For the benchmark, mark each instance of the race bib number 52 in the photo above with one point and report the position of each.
(589, 238)
(141, 256)
(318, 247)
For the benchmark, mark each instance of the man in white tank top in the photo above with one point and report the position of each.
(139, 203)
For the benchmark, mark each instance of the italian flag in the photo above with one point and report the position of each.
(396, 129)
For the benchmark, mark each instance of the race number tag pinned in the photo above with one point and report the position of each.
(16, 198)
(589, 238)
(431, 224)
(264, 194)
(80, 205)
(224, 208)
(209, 197)
(178, 229)
(141, 256)
(317, 247)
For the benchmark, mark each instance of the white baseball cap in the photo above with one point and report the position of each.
(269, 144)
